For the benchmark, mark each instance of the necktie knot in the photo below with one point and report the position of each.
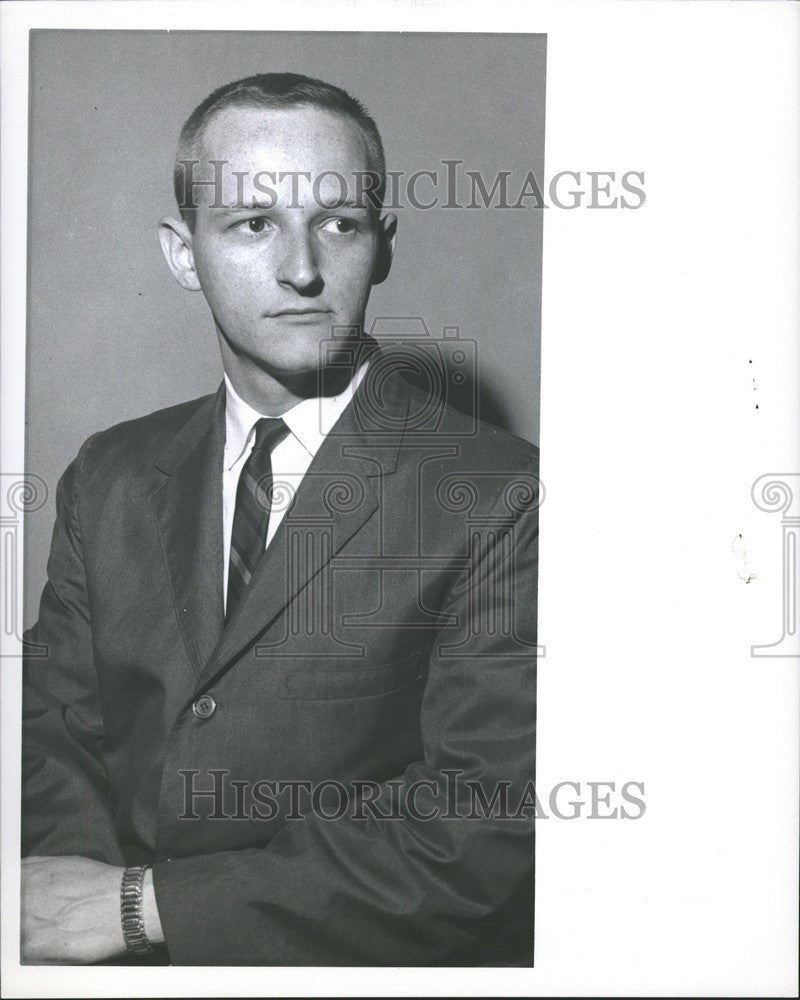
(270, 431)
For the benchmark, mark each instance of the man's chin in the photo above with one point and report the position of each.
(298, 370)
(293, 353)
(302, 359)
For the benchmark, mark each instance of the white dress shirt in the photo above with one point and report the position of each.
(308, 421)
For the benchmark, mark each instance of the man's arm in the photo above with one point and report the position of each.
(65, 805)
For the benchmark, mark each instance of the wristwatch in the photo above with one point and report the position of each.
(131, 909)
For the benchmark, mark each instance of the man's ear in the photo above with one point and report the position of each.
(387, 232)
(176, 242)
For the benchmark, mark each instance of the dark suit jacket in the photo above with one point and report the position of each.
(387, 636)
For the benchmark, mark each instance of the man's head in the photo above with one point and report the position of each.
(277, 90)
(281, 238)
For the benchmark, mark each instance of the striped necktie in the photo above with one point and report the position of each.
(253, 504)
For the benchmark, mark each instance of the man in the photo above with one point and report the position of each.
(315, 586)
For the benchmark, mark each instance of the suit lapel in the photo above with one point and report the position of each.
(188, 510)
(339, 493)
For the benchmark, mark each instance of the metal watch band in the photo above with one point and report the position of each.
(131, 909)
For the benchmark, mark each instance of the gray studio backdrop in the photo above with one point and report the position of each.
(111, 335)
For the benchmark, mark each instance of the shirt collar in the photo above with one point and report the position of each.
(309, 421)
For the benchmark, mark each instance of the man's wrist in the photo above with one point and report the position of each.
(152, 921)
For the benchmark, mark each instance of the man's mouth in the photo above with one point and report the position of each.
(299, 313)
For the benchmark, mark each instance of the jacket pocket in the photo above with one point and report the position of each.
(317, 683)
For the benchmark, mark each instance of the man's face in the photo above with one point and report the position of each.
(279, 278)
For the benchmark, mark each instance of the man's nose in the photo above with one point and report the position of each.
(298, 267)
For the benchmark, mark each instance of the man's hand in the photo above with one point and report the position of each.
(70, 910)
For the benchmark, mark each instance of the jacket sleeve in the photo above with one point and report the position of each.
(65, 804)
(418, 891)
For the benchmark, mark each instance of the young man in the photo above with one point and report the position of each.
(285, 711)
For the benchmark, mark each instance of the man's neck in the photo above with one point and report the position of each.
(273, 394)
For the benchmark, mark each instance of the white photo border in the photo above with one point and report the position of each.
(653, 321)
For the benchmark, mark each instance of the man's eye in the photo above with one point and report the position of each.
(257, 225)
(340, 225)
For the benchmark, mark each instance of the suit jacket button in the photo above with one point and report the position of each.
(204, 707)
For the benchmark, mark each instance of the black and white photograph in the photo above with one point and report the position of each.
(399, 499)
(280, 683)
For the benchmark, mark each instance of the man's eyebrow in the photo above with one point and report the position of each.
(255, 206)
(346, 203)
(242, 207)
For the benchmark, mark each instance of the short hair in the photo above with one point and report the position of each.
(278, 90)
